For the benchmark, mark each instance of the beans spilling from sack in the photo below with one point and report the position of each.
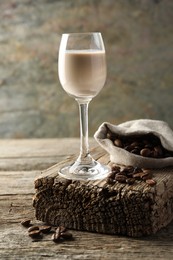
(35, 231)
(129, 175)
(147, 145)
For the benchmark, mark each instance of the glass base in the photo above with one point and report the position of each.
(86, 172)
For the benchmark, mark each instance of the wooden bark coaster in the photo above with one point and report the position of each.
(95, 206)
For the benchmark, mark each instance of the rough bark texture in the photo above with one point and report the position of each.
(132, 210)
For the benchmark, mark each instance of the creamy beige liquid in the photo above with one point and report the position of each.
(82, 73)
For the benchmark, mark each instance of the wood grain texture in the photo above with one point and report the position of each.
(16, 194)
(95, 206)
(33, 154)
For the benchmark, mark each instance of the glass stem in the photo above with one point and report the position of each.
(84, 156)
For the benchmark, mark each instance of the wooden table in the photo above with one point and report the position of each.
(20, 163)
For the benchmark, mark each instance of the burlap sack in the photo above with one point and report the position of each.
(142, 126)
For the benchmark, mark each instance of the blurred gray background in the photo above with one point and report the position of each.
(138, 36)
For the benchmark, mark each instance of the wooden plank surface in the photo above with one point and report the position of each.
(16, 193)
(33, 154)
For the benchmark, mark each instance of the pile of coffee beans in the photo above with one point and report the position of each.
(129, 175)
(35, 231)
(147, 145)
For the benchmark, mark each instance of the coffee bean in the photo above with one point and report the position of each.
(137, 169)
(146, 176)
(149, 146)
(66, 235)
(130, 181)
(159, 150)
(122, 173)
(26, 222)
(61, 233)
(138, 175)
(115, 168)
(135, 145)
(135, 151)
(129, 174)
(61, 229)
(57, 231)
(128, 169)
(35, 234)
(109, 136)
(120, 178)
(146, 170)
(110, 180)
(32, 228)
(45, 229)
(111, 175)
(151, 182)
(118, 143)
(55, 237)
(128, 148)
(145, 152)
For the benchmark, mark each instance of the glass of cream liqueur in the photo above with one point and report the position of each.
(82, 74)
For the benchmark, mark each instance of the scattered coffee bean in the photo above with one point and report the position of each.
(45, 229)
(33, 228)
(66, 235)
(145, 170)
(128, 169)
(35, 234)
(137, 175)
(110, 180)
(55, 237)
(120, 178)
(60, 229)
(26, 222)
(111, 175)
(151, 182)
(137, 169)
(115, 168)
(60, 234)
(121, 173)
(146, 175)
(130, 181)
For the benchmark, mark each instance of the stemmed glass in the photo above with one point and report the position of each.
(82, 73)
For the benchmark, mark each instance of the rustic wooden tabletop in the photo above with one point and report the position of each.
(21, 161)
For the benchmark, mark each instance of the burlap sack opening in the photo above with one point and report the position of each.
(136, 127)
